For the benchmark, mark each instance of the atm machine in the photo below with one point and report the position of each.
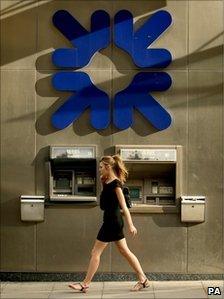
(72, 173)
(154, 174)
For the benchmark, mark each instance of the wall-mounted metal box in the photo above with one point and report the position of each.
(192, 208)
(32, 207)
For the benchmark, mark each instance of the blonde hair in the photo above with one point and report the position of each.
(117, 165)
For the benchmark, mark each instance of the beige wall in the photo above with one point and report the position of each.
(64, 240)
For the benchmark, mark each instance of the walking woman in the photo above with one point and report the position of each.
(113, 174)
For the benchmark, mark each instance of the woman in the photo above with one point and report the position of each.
(113, 174)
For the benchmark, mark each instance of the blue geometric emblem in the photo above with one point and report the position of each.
(137, 96)
(85, 44)
(137, 43)
(86, 95)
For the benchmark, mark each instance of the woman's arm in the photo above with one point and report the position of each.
(125, 210)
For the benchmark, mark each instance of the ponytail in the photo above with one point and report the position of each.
(120, 168)
(117, 165)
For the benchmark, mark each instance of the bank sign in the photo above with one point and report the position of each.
(86, 95)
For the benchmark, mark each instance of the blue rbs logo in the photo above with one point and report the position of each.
(87, 95)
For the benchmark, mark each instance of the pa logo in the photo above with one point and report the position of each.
(86, 95)
(214, 291)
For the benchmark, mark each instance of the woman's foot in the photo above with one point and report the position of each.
(141, 285)
(81, 287)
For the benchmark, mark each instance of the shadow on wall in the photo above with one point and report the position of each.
(16, 51)
(12, 205)
(18, 17)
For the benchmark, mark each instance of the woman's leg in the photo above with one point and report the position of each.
(131, 258)
(94, 261)
(93, 265)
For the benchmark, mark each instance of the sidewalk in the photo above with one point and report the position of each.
(112, 289)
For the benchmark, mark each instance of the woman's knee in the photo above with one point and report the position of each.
(124, 251)
(95, 253)
(98, 249)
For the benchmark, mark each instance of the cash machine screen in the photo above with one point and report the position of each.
(134, 192)
(62, 183)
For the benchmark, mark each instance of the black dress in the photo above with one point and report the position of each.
(112, 228)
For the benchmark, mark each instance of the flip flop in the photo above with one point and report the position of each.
(83, 288)
(141, 285)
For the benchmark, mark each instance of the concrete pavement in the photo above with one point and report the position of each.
(113, 289)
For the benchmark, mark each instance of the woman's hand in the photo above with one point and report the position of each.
(133, 230)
